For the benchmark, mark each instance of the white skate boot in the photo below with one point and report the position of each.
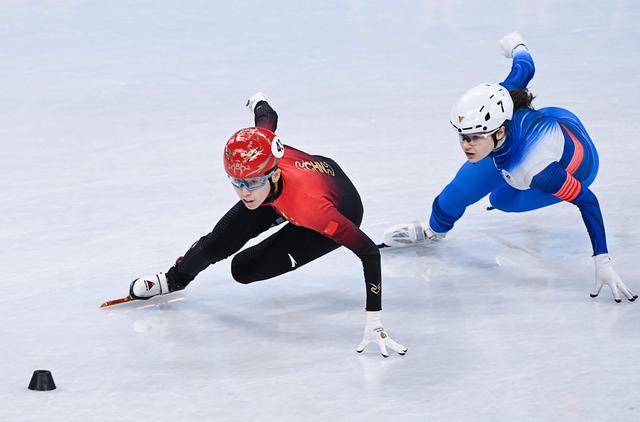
(410, 234)
(149, 286)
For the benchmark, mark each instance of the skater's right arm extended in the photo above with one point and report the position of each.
(522, 67)
(264, 116)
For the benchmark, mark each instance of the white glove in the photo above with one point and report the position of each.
(410, 234)
(373, 331)
(254, 100)
(149, 286)
(606, 274)
(510, 42)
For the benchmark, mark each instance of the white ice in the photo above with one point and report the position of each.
(113, 117)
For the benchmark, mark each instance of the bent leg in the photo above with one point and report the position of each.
(288, 249)
(588, 169)
(508, 199)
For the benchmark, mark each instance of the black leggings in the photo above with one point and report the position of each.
(289, 248)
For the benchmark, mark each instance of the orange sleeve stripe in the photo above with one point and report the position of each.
(570, 189)
(578, 152)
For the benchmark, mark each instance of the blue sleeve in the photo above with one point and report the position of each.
(472, 183)
(522, 71)
(444, 216)
(554, 179)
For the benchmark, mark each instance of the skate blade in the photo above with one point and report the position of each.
(116, 301)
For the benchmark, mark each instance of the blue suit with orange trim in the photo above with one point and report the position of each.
(547, 157)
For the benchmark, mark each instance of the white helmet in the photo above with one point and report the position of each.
(482, 109)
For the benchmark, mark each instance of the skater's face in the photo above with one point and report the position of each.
(477, 146)
(252, 199)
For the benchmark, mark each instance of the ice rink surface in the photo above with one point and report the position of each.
(114, 115)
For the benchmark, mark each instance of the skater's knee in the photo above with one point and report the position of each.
(512, 200)
(241, 270)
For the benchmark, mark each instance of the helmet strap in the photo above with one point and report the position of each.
(495, 140)
(498, 142)
(274, 190)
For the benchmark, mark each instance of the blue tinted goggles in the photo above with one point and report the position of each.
(252, 183)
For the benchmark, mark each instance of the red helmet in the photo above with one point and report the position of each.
(252, 152)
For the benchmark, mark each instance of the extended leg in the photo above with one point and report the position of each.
(472, 183)
(232, 232)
